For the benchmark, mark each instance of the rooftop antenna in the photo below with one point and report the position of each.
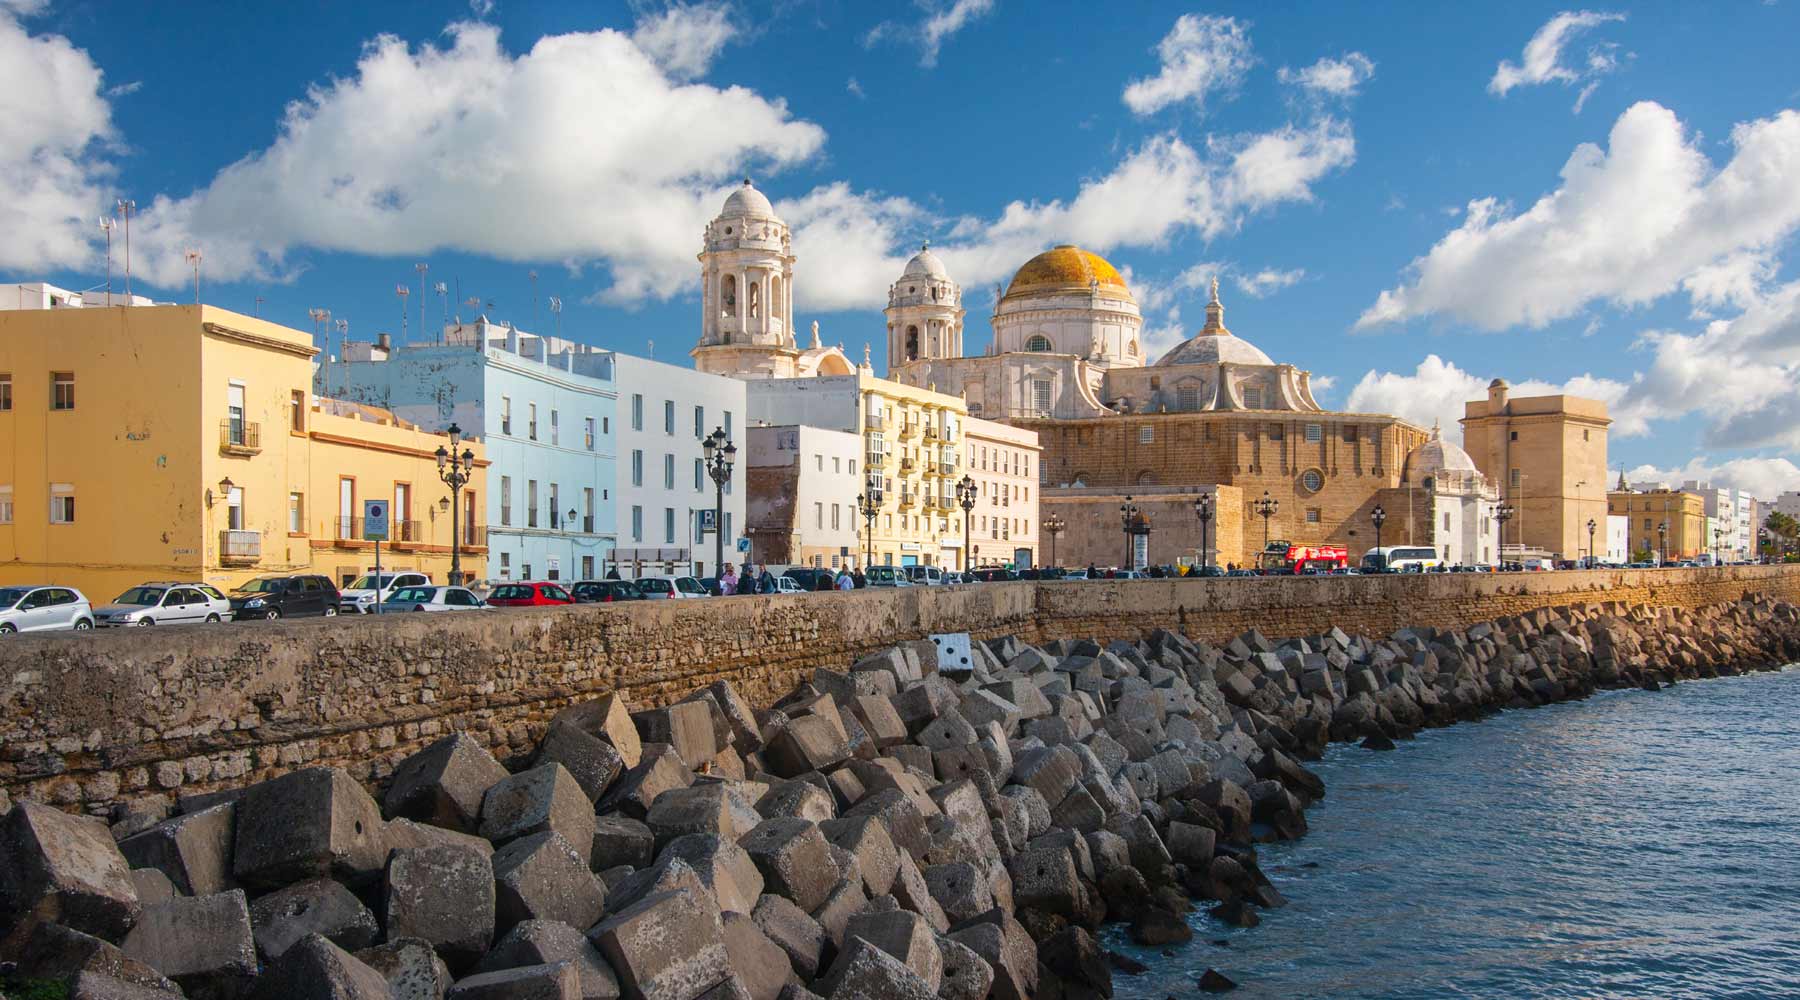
(556, 310)
(343, 328)
(126, 207)
(193, 258)
(421, 267)
(320, 317)
(652, 352)
(443, 292)
(106, 226)
(533, 276)
(257, 310)
(402, 291)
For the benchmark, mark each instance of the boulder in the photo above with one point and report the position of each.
(658, 771)
(621, 840)
(543, 877)
(443, 784)
(543, 799)
(1045, 879)
(904, 935)
(723, 867)
(865, 972)
(737, 712)
(546, 942)
(59, 868)
(553, 981)
(152, 886)
(912, 892)
(844, 901)
(666, 946)
(867, 840)
(710, 807)
(316, 969)
(203, 943)
(1004, 945)
(404, 833)
(411, 967)
(967, 976)
(807, 743)
(312, 823)
(794, 858)
(1191, 845)
(795, 932)
(687, 726)
(444, 896)
(760, 965)
(609, 719)
(285, 917)
(799, 798)
(193, 850)
(594, 763)
(57, 952)
(1076, 958)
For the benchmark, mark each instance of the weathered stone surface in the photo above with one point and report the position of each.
(312, 823)
(710, 807)
(961, 889)
(444, 896)
(1045, 879)
(554, 981)
(745, 735)
(443, 784)
(287, 916)
(865, 972)
(152, 886)
(1003, 943)
(193, 850)
(807, 743)
(967, 976)
(686, 726)
(316, 969)
(203, 943)
(723, 867)
(904, 935)
(659, 770)
(57, 952)
(798, 798)
(1191, 845)
(1075, 958)
(760, 965)
(914, 893)
(903, 816)
(543, 877)
(794, 858)
(867, 840)
(542, 942)
(405, 833)
(543, 799)
(621, 840)
(668, 946)
(594, 763)
(610, 719)
(845, 900)
(59, 868)
(411, 967)
(795, 932)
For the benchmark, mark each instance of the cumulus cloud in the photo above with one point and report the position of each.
(1202, 55)
(940, 24)
(1331, 77)
(1629, 224)
(56, 131)
(684, 38)
(1434, 393)
(1763, 478)
(1266, 282)
(1543, 58)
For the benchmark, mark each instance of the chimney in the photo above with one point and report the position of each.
(383, 341)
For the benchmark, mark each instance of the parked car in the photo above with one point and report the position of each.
(925, 576)
(1247, 572)
(529, 595)
(811, 577)
(272, 597)
(44, 609)
(992, 574)
(165, 604)
(665, 588)
(788, 585)
(1208, 571)
(363, 594)
(432, 598)
(887, 576)
(604, 592)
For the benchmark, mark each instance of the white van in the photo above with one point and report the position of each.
(1400, 559)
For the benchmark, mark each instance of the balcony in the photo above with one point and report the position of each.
(239, 548)
(877, 459)
(931, 432)
(403, 534)
(473, 538)
(875, 422)
(906, 465)
(908, 499)
(909, 429)
(346, 531)
(239, 437)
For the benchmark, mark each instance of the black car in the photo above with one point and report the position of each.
(604, 592)
(812, 578)
(994, 574)
(270, 597)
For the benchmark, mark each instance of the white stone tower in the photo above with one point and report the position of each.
(747, 302)
(924, 313)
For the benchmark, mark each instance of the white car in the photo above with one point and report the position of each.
(360, 597)
(44, 609)
(665, 588)
(165, 604)
(788, 585)
(432, 599)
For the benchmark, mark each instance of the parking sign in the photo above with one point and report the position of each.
(375, 520)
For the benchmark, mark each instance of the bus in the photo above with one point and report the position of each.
(1400, 559)
(1285, 559)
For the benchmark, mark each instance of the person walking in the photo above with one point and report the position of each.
(765, 580)
(845, 581)
(728, 581)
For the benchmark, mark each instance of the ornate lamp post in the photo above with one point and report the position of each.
(1053, 526)
(1662, 543)
(568, 529)
(1718, 546)
(1593, 557)
(1266, 506)
(965, 498)
(456, 471)
(868, 503)
(1127, 511)
(1379, 517)
(1140, 525)
(719, 455)
(1203, 509)
(1503, 512)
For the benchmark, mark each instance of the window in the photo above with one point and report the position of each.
(669, 525)
(506, 501)
(1350, 435)
(506, 415)
(669, 417)
(668, 472)
(837, 464)
(587, 509)
(699, 476)
(1513, 478)
(5, 392)
(834, 517)
(1312, 515)
(700, 422)
(637, 467)
(637, 411)
(6, 505)
(554, 421)
(1040, 395)
(531, 503)
(727, 423)
(819, 462)
(1187, 397)
(62, 390)
(506, 565)
(1512, 436)
(1037, 342)
(234, 412)
(556, 507)
(234, 509)
(62, 503)
(589, 433)
(1146, 435)
(1584, 435)
(297, 411)
(637, 523)
(1314, 433)
(606, 425)
(1275, 432)
(527, 575)
(531, 421)
(296, 514)
(1313, 480)
(1446, 520)
(1252, 398)
(853, 467)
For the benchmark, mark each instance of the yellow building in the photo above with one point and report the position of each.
(1547, 454)
(913, 440)
(1662, 522)
(183, 443)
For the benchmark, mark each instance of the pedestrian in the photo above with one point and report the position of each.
(861, 580)
(612, 574)
(728, 581)
(1093, 572)
(845, 581)
(765, 580)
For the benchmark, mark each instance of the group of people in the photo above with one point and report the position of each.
(756, 579)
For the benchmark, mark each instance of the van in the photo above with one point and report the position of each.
(888, 576)
(926, 576)
(1400, 559)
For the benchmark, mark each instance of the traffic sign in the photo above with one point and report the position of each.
(375, 520)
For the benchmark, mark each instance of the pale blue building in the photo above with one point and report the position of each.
(546, 410)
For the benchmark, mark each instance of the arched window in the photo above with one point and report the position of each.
(1038, 342)
(755, 300)
(775, 297)
(912, 343)
(1146, 478)
(728, 295)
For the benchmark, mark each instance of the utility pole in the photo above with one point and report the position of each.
(126, 207)
(106, 226)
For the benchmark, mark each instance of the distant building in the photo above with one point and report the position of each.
(1733, 519)
(800, 506)
(1662, 522)
(33, 295)
(1548, 456)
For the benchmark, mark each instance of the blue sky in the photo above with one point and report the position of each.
(1406, 199)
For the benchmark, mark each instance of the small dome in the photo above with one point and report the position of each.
(1436, 456)
(1212, 348)
(926, 264)
(1066, 268)
(1498, 383)
(747, 200)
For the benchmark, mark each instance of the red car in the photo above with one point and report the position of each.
(529, 595)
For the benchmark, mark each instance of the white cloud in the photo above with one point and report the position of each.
(855, 89)
(1543, 58)
(1732, 281)
(481, 8)
(1282, 165)
(1161, 338)
(1434, 393)
(1762, 478)
(55, 132)
(683, 39)
(1331, 77)
(1629, 225)
(1267, 281)
(1200, 56)
(937, 28)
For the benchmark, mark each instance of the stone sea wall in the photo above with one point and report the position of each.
(95, 721)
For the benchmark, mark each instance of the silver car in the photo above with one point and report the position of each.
(44, 609)
(432, 598)
(165, 604)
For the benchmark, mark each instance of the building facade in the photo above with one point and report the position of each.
(184, 443)
(1548, 456)
(1662, 523)
(800, 502)
(1003, 462)
(1733, 529)
(545, 409)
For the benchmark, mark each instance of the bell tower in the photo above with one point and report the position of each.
(747, 298)
(924, 313)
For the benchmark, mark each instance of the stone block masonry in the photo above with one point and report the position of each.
(141, 717)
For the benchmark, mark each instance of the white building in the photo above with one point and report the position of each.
(43, 295)
(666, 498)
(1788, 503)
(1730, 530)
(1462, 502)
(801, 506)
(1003, 461)
(1618, 543)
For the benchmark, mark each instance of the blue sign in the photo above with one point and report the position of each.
(375, 520)
(743, 545)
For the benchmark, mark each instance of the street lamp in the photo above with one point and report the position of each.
(1053, 526)
(868, 503)
(1203, 509)
(1503, 512)
(568, 524)
(720, 455)
(1127, 511)
(1662, 544)
(1593, 558)
(455, 470)
(1718, 546)
(1379, 517)
(1266, 507)
(965, 498)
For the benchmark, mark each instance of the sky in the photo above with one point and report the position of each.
(1407, 200)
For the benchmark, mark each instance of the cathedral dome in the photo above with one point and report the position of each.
(1064, 269)
(1212, 348)
(926, 264)
(1437, 456)
(747, 200)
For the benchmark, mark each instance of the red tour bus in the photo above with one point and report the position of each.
(1288, 559)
